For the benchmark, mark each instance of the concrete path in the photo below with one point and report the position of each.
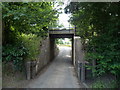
(59, 74)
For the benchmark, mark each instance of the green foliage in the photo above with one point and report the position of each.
(15, 54)
(98, 84)
(59, 41)
(98, 26)
(26, 48)
(101, 84)
(32, 43)
(24, 25)
(63, 41)
(29, 17)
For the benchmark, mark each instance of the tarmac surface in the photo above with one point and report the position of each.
(59, 74)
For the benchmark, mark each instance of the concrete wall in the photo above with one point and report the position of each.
(69, 31)
(44, 57)
(79, 59)
(79, 53)
(48, 51)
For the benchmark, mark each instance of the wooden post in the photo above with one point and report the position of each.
(83, 72)
(93, 65)
(78, 70)
(33, 69)
(28, 70)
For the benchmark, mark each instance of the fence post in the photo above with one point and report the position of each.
(79, 70)
(83, 72)
(28, 70)
(33, 69)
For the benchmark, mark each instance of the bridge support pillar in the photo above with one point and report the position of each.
(52, 46)
(73, 53)
(78, 58)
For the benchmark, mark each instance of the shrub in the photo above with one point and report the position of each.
(26, 48)
(15, 54)
(101, 84)
(32, 43)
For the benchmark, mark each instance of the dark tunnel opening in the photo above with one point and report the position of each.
(61, 41)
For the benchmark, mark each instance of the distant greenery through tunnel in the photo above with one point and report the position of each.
(63, 42)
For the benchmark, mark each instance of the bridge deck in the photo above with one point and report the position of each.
(68, 31)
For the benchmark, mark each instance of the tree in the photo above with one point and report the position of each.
(25, 24)
(98, 25)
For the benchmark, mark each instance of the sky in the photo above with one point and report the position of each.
(63, 18)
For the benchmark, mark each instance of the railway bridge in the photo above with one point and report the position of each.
(48, 53)
(64, 33)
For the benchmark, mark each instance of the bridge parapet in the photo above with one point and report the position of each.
(63, 31)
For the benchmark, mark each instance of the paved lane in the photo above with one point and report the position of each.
(60, 73)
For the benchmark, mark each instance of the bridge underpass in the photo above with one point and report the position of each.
(54, 36)
(77, 52)
(60, 73)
